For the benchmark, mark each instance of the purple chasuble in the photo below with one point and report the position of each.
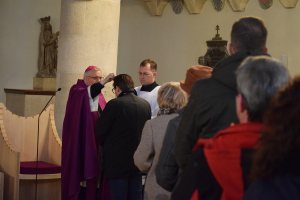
(79, 149)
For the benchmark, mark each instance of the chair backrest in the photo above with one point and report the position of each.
(22, 135)
(18, 140)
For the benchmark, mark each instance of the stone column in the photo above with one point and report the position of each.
(88, 36)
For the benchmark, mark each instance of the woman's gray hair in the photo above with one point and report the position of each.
(170, 95)
(88, 72)
(258, 79)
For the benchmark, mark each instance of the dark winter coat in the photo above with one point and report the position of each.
(284, 185)
(167, 170)
(119, 130)
(211, 106)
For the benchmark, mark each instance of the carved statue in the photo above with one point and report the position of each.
(216, 51)
(48, 54)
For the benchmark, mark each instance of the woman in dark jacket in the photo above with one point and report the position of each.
(276, 166)
(167, 170)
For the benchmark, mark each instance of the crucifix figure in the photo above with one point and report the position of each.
(217, 29)
(217, 37)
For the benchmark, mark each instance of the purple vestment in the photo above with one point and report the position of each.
(79, 150)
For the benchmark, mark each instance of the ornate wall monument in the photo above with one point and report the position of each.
(289, 3)
(218, 4)
(195, 6)
(88, 36)
(216, 51)
(265, 4)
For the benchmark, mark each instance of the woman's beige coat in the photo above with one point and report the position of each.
(147, 155)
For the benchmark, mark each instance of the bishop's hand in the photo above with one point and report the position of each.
(108, 78)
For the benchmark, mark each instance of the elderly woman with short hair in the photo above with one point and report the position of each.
(171, 98)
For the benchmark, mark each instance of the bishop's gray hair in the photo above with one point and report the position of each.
(258, 79)
(88, 72)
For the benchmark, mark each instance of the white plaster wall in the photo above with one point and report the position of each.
(176, 41)
(19, 40)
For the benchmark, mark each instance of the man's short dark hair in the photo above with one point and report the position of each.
(153, 64)
(123, 81)
(249, 34)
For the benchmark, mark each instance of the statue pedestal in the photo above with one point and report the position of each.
(44, 83)
(27, 102)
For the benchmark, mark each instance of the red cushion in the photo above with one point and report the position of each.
(43, 168)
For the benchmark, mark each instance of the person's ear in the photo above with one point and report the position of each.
(154, 74)
(241, 111)
(240, 105)
(265, 50)
(241, 100)
(118, 89)
(85, 79)
(231, 50)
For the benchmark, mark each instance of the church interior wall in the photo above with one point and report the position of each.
(20, 31)
(174, 41)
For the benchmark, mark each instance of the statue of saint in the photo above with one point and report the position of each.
(48, 54)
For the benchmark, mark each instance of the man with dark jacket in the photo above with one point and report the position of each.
(220, 166)
(119, 130)
(211, 106)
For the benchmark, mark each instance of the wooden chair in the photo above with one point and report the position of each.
(18, 142)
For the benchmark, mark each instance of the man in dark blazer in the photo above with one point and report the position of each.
(211, 106)
(119, 130)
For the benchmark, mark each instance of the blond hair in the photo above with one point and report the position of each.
(170, 95)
